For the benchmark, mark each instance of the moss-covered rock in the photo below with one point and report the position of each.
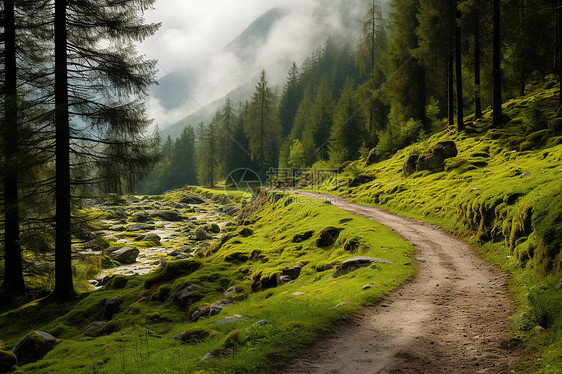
(7, 361)
(34, 347)
(195, 335)
(172, 270)
(328, 236)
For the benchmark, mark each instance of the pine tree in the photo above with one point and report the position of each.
(183, 167)
(497, 73)
(117, 78)
(290, 99)
(261, 125)
(208, 155)
(319, 122)
(346, 138)
(303, 112)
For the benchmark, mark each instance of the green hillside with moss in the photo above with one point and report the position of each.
(266, 287)
(502, 192)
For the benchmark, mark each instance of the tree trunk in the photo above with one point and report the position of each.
(497, 74)
(458, 65)
(522, 77)
(64, 288)
(13, 275)
(560, 57)
(477, 97)
(450, 70)
(421, 99)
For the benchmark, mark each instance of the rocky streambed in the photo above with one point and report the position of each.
(136, 235)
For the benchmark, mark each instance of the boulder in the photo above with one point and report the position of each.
(168, 215)
(7, 361)
(201, 234)
(188, 294)
(352, 244)
(362, 179)
(292, 272)
(141, 217)
(192, 199)
(34, 347)
(328, 236)
(214, 228)
(154, 238)
(354, 263)
(117, 228)
(410, 165)
(140, 227)
(125, 255)
(298, 238)
(211, 310)
(245, 232)
(431, 162)
(194, 335)
(230, 291)
(261, 322)
(372, 157)
(216, 354)
(445, 149)
(100, 328)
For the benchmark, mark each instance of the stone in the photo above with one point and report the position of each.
(111, 307)
(345, 220)
(342, 304)
(117, 228)
(100, 328)
(95, 326)
(192, 199)
(194, 335)
(141, 217)
(409, 167)
(362, 179)
(151, 237)
(431, 162)
(257, 255)
(352, 244)
(328, 236)
(539, 329)
(7, 361)
(358, 262)
(201, 234)
(368, 286)
(168, 215)
(140, 227)
(445, 149)
(120, 213)
(125, 255)
(292, 272)
(34, 347)
(188, 294)
(299, 238)
(559, 285)
(216, 354)
(245, 232)
(230, 319)
(214, 228)
(261, 322)
(230, 291)
(211, 310)
(372, 157)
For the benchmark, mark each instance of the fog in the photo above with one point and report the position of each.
(191, 46)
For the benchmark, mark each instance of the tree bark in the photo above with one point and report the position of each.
(458, 65)
(64, 288)
(13, 275)
(477, 47)
(496, 61)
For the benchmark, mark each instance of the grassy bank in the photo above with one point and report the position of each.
(281, 234)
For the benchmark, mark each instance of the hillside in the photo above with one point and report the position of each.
(502, 191)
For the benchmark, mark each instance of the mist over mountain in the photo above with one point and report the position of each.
(273, 41)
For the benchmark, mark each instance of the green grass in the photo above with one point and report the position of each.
(503, 193)
(297, 313)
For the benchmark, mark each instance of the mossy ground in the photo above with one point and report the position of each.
(148, 318)
(503, 193)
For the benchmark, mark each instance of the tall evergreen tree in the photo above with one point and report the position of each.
(290, 99)
(208, 155)
(261, 125)
(101, 86)
(320, 119)
(497, 73)
(458, 69)
(183, 167)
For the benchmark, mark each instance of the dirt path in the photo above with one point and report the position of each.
(453, 317)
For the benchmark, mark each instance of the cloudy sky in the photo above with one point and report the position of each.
(194, 33)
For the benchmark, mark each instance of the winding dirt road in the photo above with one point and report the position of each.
(452, 317)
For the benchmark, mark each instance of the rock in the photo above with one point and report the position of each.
(372, 157)
(352, 244)
(292, 272)
(154, 238)
(140, 227)
(188, 294)
(230, 210)
(539, 329)
(192, 199)
(431, 162)
(120, 213)
(368, 286)
(328, 236)
(7, 361)
(216, 354)
(111, 307)
(559, 285)
(211, 310)
(345, 220)
(125, 255)
(214, 228)
(410, 165)
(34, 347)
(141, 217)
(230, 319)
(362, 179)
(245, 232)
(230, 291)
(261, 322)
(201, 234)
(237, 257)
(100, 328)
(168, 215)
(445, 149)
(359, 262)
(194, 335)
(299, 238)
(94, 326)
(117, 228)
(257, 255)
